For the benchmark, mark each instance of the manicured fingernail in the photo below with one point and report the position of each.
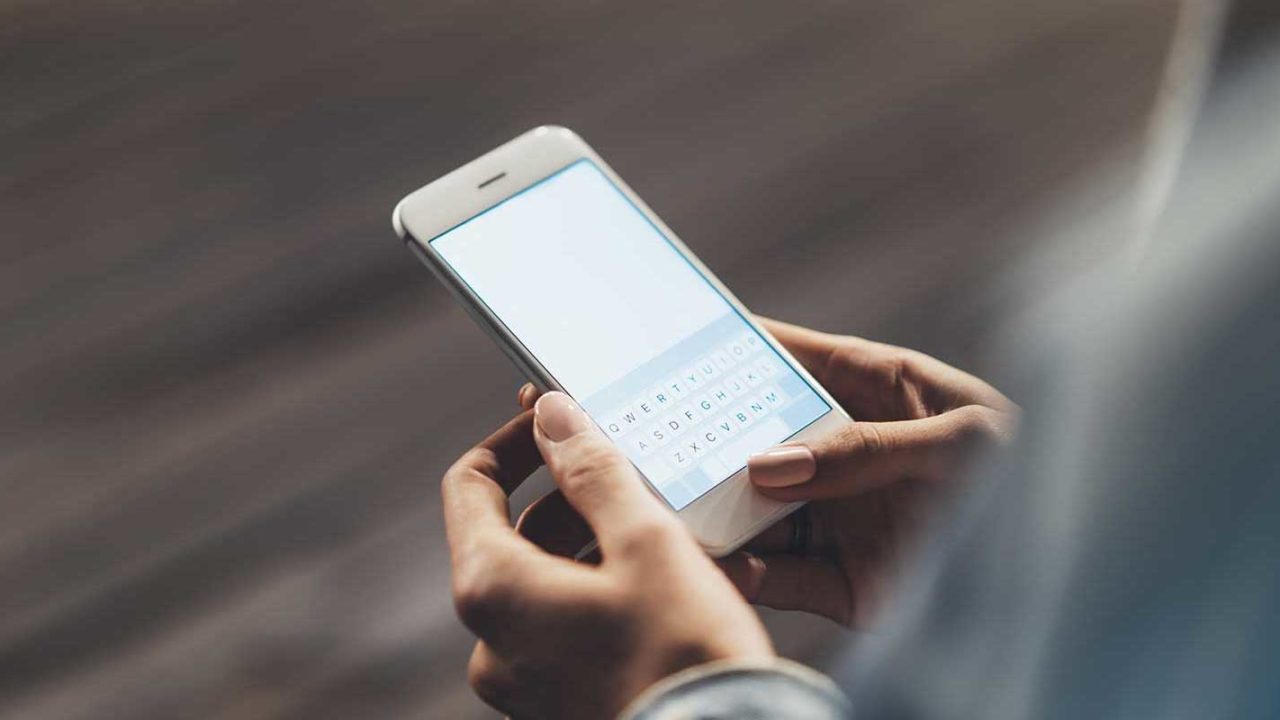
(560, 417)
(782, 466)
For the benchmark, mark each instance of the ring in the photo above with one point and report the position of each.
(800, 530)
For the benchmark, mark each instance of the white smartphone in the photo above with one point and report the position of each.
(590, 293)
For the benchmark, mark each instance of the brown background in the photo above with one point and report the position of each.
(227, 392)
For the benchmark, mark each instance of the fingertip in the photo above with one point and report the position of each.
(527, 396)
(559, 418)
(746, 572)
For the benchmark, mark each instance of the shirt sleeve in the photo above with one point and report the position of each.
(778, 689)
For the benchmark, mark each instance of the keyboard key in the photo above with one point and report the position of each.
(678, 493)
(741, 417)
(751, 377)
(769, 432)
(658, 434)
(735, 386)
(719, 395)
(737, 351)
(656, 469)
(689, 415)
(703, 404)
(772, 395)
(628, 418)
(713, 468)
(614, 427)
(691, 378)
(756, 407)
(707, 368)
(709, 435)
(675, 389)
(767, 367)
(640, 445)
(661, 399)
(723, 426)
(646, 410)
(681, 458)
(722, 359)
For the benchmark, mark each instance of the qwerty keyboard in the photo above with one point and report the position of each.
(713, 414)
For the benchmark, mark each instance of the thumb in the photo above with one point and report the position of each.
(861, 456)
(595, 477)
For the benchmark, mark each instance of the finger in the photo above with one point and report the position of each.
(876, 381)
(597, 479)
(789, 582)
(491, 679)
(552, 524)
(812, 348)
(526, 396)
(806, 584)
(485, 549)
(507, 457)
(861, 456)
(859, 373)
(745, 570)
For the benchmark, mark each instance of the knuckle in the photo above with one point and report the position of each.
(652, 535)
(484, 678)
(912, 370)
(475, 459)
(852, 357)
(843, 358)
(865, 439)
(609, 609)
(898, 367)
(582, 469)
(481, 596)
(979, 426)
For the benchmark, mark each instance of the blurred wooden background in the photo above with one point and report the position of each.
(227, 392)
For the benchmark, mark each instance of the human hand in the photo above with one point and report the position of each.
(564, 639)
(870, 484)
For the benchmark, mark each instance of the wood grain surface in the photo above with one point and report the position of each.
(227, 392)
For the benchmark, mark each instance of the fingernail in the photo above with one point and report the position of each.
(560, 417)
(782, 466)
(522, 395)
(755, 576)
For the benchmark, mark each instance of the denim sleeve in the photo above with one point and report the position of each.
(778, 690)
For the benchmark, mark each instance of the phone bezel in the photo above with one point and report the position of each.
(726, 516)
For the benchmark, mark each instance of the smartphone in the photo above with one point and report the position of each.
(590, 293)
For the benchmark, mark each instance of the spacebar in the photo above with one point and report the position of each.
(766, 433)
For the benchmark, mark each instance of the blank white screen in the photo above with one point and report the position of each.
(581, 277)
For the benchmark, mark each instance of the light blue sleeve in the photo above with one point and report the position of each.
(778, 690)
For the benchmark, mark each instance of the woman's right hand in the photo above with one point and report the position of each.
(870, 484)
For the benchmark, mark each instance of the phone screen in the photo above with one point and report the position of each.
(652, 351)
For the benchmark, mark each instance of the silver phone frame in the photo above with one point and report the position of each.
(724, 517)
